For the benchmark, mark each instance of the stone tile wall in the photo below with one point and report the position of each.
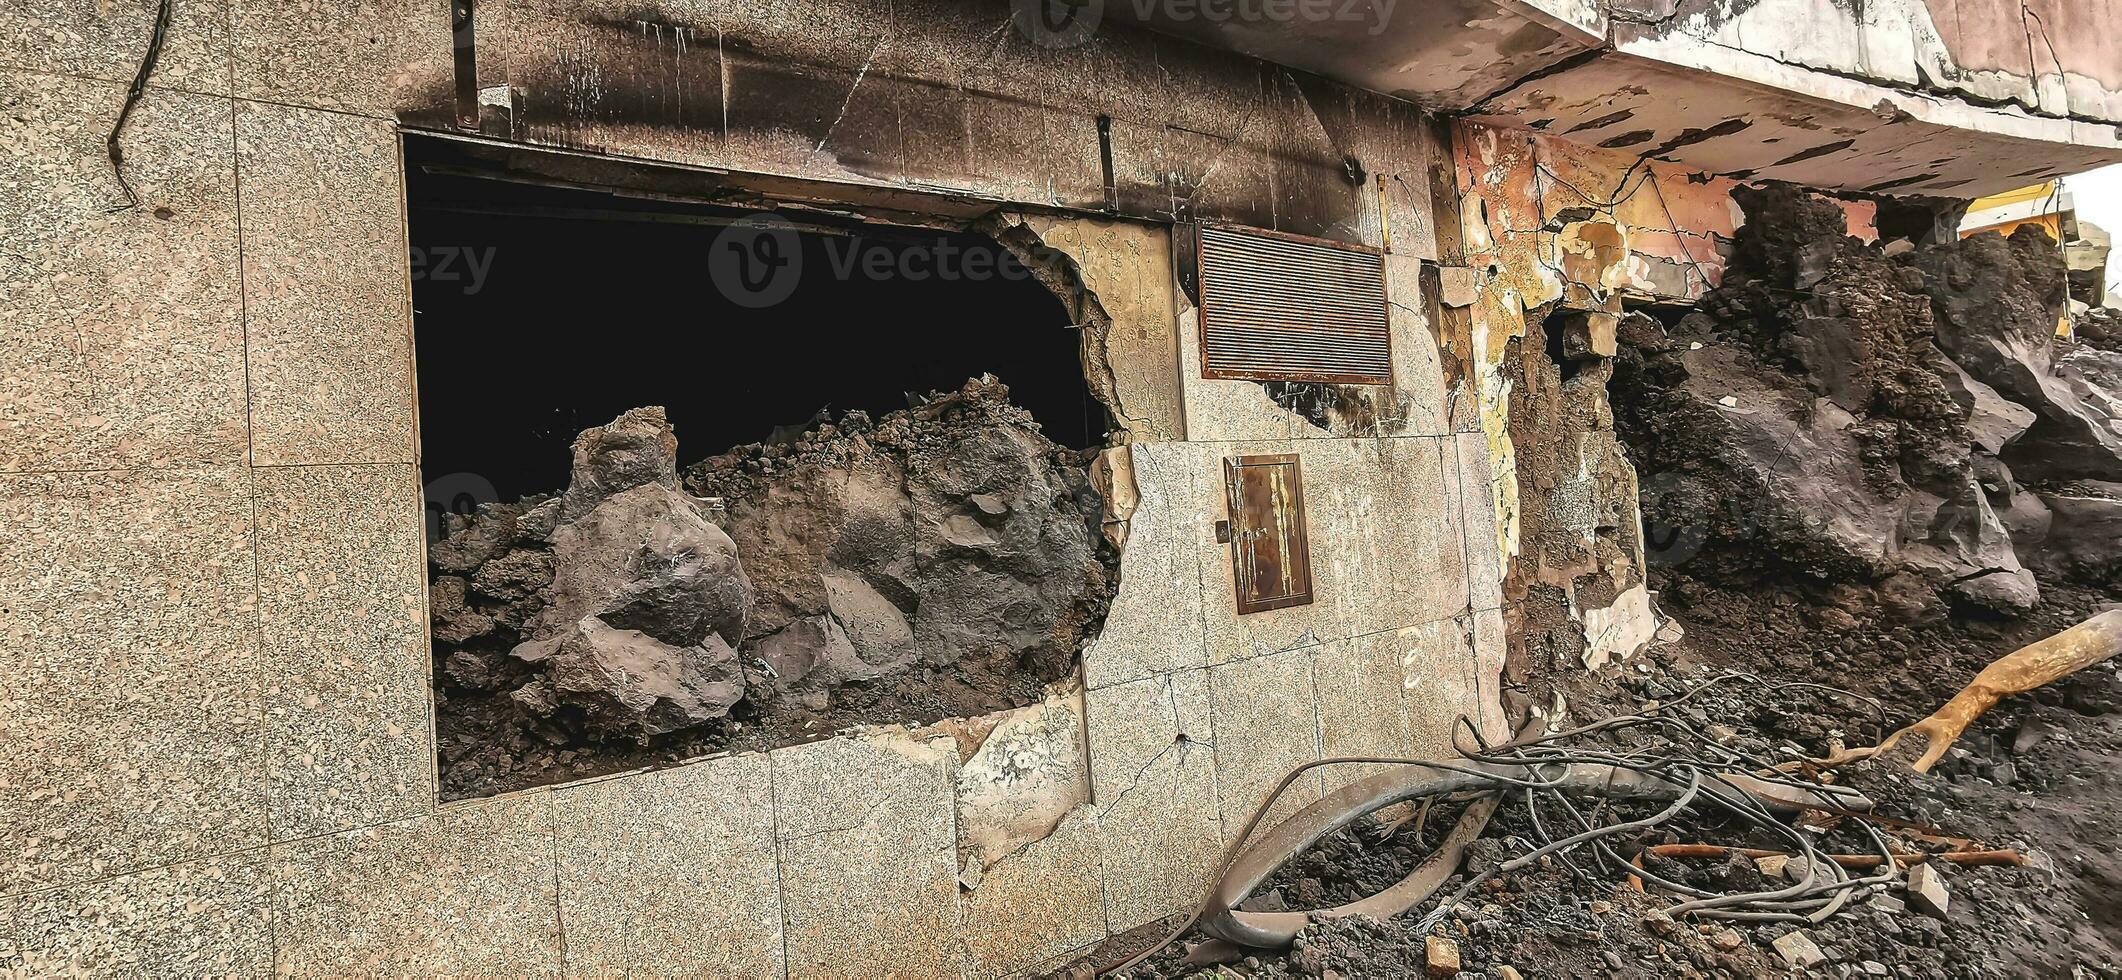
(213, 667)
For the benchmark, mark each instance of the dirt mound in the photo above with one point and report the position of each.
(938, 562)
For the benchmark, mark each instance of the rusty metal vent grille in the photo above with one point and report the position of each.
(1281, 308)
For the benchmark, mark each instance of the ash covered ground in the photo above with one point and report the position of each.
(942, 561)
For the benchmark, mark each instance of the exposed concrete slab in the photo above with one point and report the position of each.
(1267, 723)
(868, 855)
(671, 872)
(198, 918)
(342, 606)
(129, 673)
(1153, 780)
(121, 335)
(1154, 623)
(325, 288)
(373, 57)
(468, 890)
(63, 37)
(1440, 52)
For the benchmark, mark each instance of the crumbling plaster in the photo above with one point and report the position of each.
(1548, 225)
(216, 677)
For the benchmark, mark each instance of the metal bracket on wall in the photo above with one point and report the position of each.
(464, 55)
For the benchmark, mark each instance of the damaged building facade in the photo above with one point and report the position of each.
(235, 624)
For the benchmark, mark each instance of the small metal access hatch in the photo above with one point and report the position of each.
(1270, 557)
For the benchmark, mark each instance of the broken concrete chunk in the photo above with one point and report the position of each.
(2012, 591)
(1588, 334)
(1926, 890)
(1798, 950)
(1458, 286)
(1442, 956)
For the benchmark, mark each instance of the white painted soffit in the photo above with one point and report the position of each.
(1730, 112)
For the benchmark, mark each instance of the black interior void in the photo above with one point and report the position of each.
(542, 311)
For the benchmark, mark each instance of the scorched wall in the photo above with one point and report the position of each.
(215, 687)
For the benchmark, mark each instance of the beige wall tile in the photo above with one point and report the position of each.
(198, 918)
(120, 336)
(1484, 549)
(1267, 723)
(325, 280)
(466, 891)
(10, 957)
(108, 39)
(1437, 670)
(374, 57)
(1362, 705)
(1491, 646)
(1417, 395)
(1036, 904)
(868, 856)
(1422, 538)
(347, 694)
(1154, 624)
(1153, 780)
(671, 873)
(1327, 471)
(129, 673)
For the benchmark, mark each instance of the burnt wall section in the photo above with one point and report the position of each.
(942, 561)
(953, 97)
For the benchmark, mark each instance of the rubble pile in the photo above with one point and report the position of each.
(940, 561)
(1881, 414)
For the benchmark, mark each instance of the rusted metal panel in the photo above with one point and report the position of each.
(1270, 555)
(1280, 307)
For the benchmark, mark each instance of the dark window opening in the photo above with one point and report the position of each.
(542, 312)
(878, 509)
